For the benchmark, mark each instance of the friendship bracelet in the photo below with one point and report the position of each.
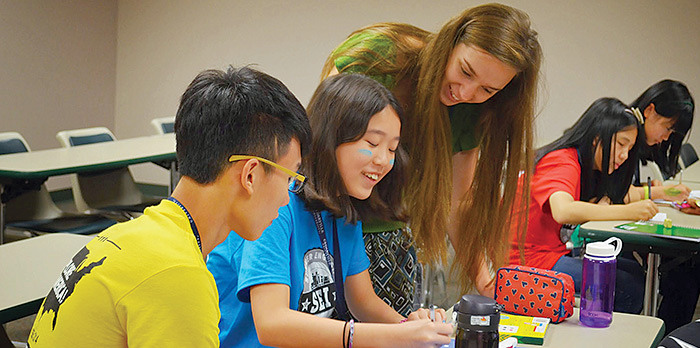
(352, 332)
(403, 320)
(343, 334)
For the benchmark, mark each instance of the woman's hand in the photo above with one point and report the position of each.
(422, 313)
(422, 333)
(642, 210)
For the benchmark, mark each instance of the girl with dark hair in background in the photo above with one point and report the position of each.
(668, 109)
(582, 176)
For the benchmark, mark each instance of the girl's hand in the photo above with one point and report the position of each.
(642, 210)
(423, 333)
(676, 193)
(422, 313)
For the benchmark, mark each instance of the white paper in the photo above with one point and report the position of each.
(659, 217)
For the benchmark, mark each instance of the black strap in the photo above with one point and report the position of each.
(335, 265)
(194, 227)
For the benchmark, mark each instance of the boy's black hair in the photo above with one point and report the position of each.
(598, 125)
(238, 111)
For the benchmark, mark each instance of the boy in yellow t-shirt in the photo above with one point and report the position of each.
(144, 283)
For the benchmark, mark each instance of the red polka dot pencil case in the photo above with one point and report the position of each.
(535, 292)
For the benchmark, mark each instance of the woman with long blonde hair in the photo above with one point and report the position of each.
(469, 94)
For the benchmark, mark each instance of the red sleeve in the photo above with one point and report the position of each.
(557, 171)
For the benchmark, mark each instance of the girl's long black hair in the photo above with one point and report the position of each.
(671, 99)
(598, 125)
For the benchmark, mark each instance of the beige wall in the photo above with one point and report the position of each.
(57, 68)
(592, 48)
(58, 58)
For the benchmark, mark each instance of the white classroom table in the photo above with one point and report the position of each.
(33, 168)
(626, 330)
(30, 267)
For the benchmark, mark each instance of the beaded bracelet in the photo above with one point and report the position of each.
(352, 332)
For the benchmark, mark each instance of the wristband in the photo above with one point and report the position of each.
(352, 332)
(343, 334)
(646, 192)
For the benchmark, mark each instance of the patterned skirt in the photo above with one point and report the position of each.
(393, 267)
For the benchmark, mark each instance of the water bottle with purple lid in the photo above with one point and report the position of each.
(598, 283)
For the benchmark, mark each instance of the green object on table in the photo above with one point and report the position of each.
(676, 232)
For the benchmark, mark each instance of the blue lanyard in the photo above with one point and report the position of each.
(336, 267)
(324, 242)
(192, 224)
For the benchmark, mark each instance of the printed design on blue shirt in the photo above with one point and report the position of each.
(318, 295)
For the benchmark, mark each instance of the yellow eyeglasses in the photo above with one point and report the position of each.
(296, 180)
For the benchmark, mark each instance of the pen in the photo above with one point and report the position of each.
(649, 184)
(432, 312)
(680, 179)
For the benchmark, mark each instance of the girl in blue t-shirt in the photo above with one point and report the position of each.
(310, 265)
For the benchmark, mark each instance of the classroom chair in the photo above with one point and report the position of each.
(35, 212)
(111, 190)
(650, 170)
(164, 125)
(688, 155)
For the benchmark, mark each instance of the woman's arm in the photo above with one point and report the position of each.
(463, 167)
(634, 194)
(278, 325)
(483, 280)
(673, 193)
(566, 210)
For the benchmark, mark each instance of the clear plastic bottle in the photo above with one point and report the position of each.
(477, 322)
(598, 283)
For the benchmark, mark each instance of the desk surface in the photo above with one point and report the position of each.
(98, 156)
(30, 267)
(626, 330)
(599, 230)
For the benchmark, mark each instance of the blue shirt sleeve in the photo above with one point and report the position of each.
(359, 261)
(266, 260)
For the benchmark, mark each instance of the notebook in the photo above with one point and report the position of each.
(528, 330)
(658, 230)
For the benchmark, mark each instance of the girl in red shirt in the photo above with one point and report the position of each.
(582, 176)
